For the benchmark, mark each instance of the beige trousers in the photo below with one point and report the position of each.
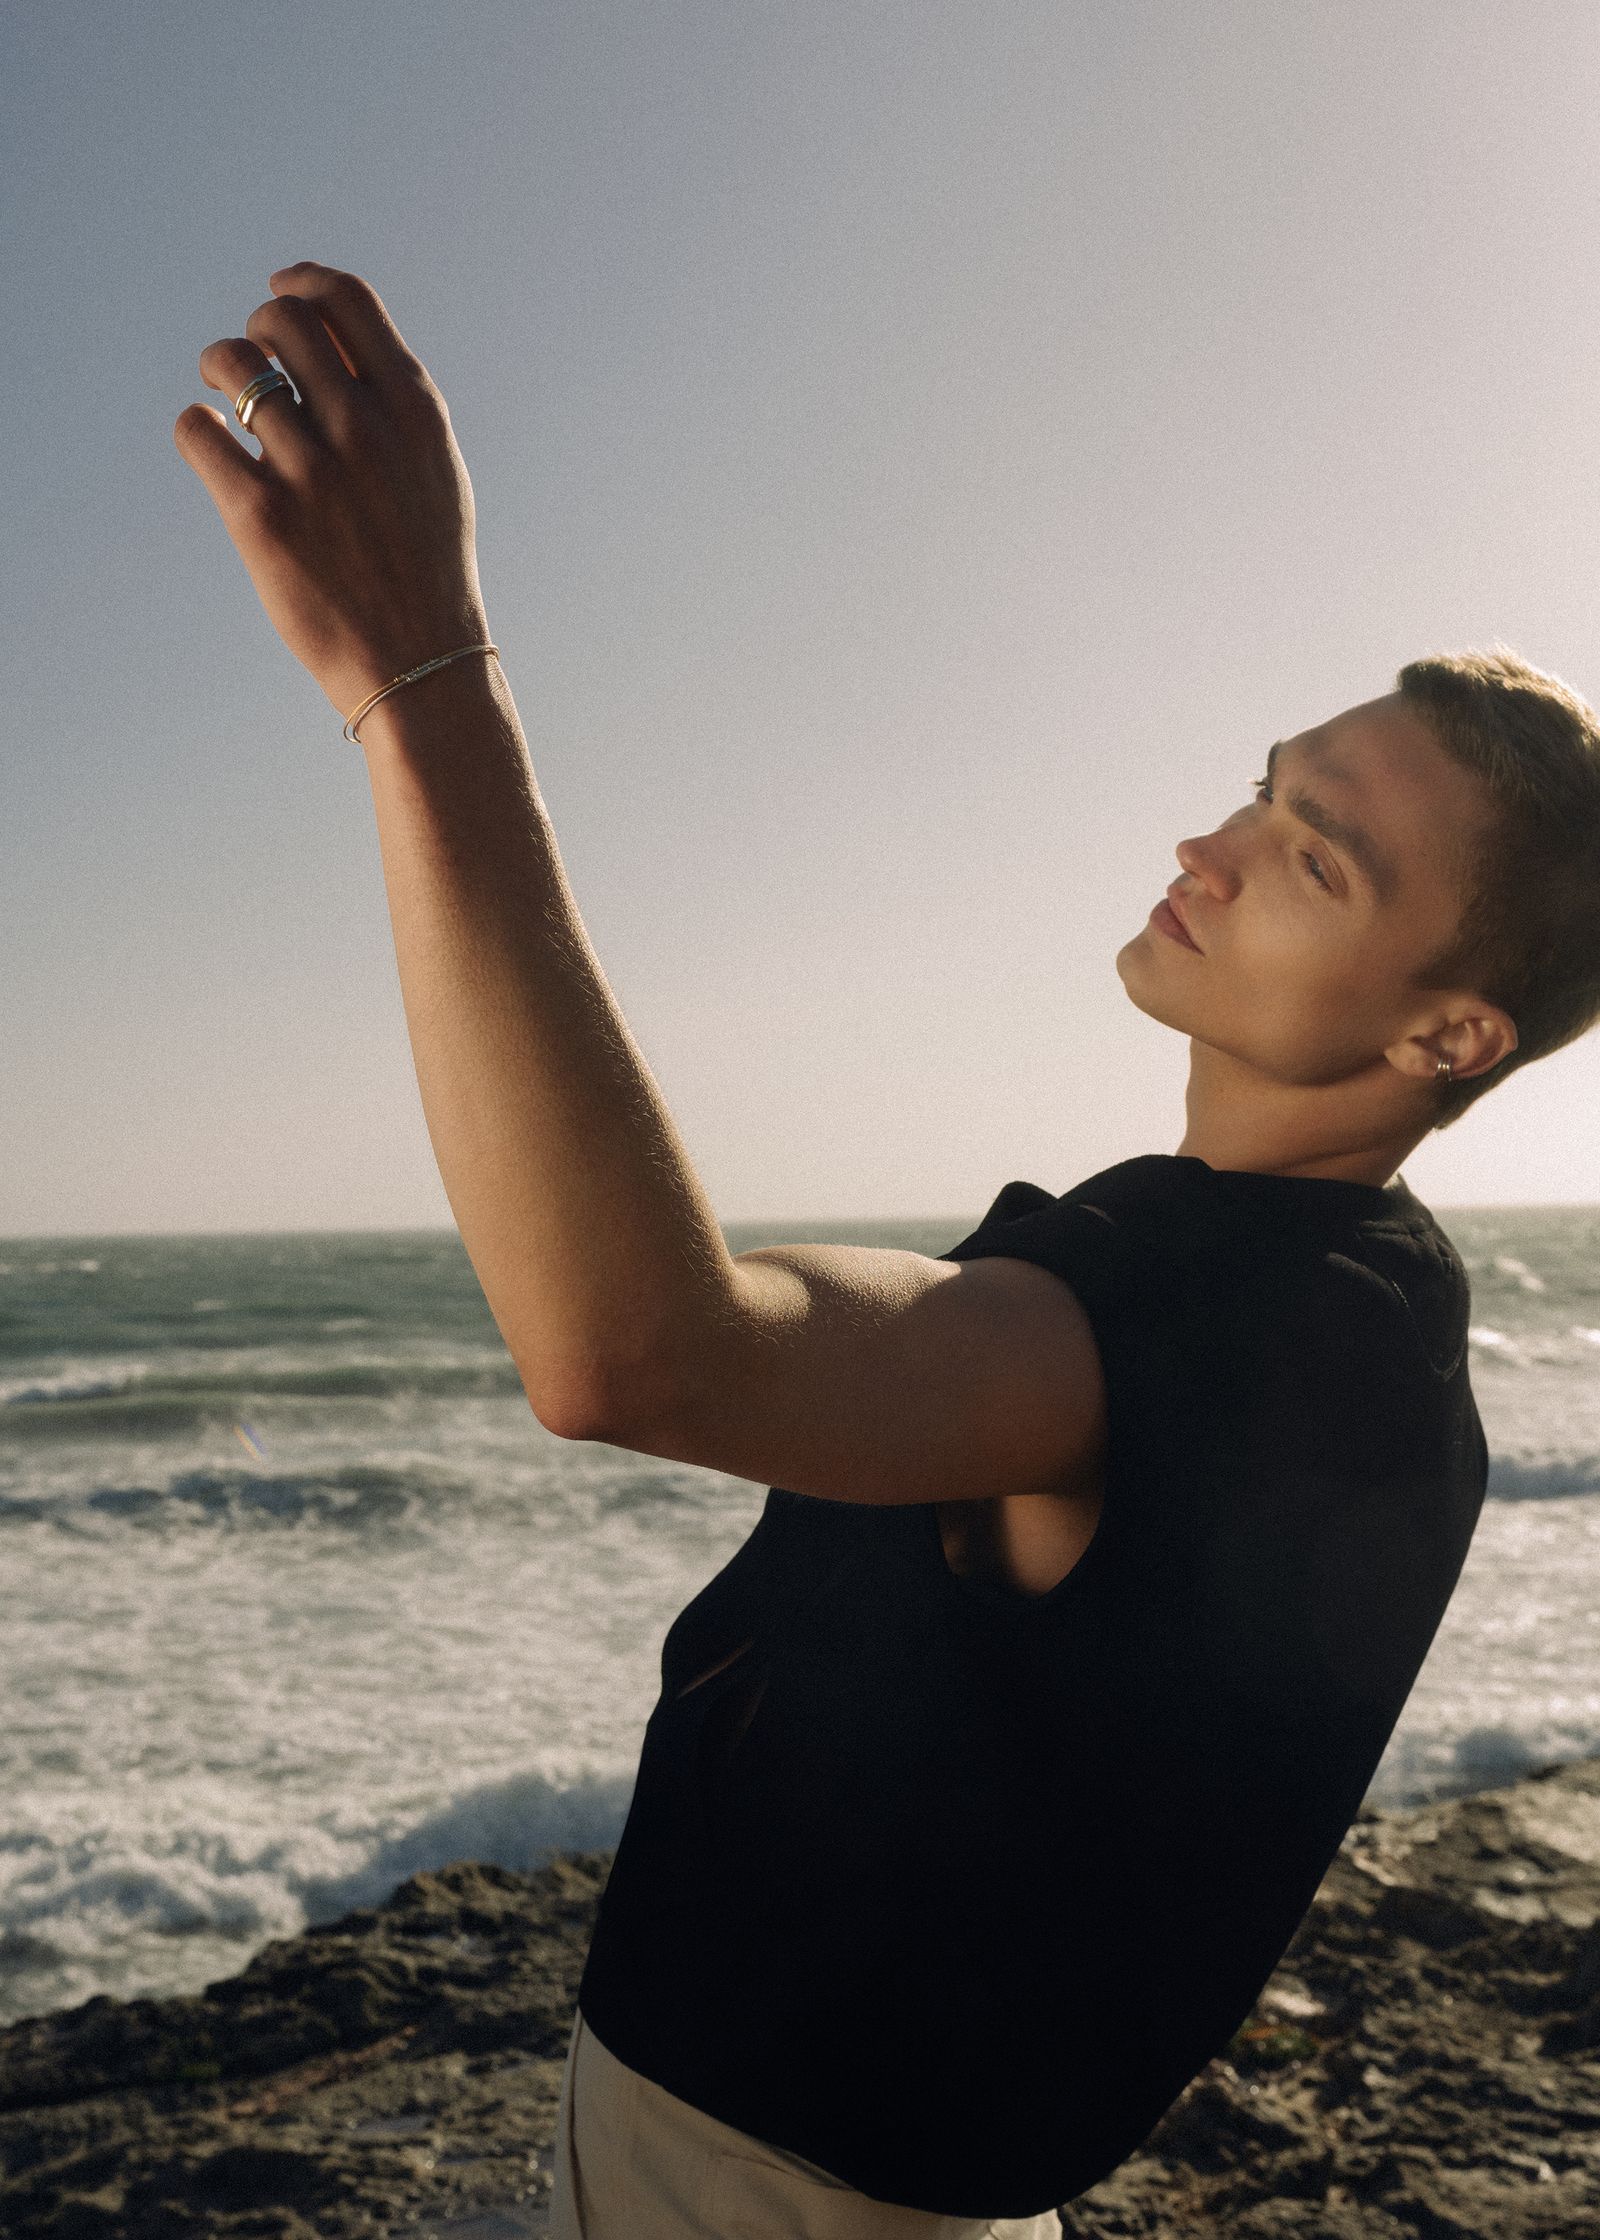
(633, 2162)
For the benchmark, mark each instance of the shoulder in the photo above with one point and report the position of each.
(1122, 1242)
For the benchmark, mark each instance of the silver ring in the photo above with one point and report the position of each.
(251, 394)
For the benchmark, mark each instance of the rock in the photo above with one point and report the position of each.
(394, 2070)
(1428, 2046)
(1424, 2064)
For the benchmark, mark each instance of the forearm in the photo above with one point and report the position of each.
(597, 1251)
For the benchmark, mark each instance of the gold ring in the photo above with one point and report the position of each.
(251, 394)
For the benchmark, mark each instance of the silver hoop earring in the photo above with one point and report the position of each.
(1441, 1071)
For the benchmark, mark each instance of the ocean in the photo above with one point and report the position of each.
(299, 1596)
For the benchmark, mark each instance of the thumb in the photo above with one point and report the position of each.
(233, 478)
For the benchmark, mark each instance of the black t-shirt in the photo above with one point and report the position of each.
(951, 1889)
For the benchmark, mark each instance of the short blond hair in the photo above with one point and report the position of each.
(1528, 938)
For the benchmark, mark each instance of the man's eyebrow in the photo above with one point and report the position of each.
(1374, 866)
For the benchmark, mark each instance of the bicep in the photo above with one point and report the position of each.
(855, 1374)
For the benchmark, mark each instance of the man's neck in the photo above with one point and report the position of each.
(1237, 1119)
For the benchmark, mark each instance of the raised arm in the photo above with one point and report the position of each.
(858, 1375)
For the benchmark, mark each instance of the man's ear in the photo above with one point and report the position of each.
(1475, 1042)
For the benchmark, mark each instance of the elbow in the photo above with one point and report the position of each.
(625, 1406)
(572, 1412)
(560, 1425)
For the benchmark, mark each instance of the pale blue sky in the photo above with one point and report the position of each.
(924, 455)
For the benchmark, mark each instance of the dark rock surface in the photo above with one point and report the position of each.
(1426, 2059)
(394, 2072)
(1425, 2064)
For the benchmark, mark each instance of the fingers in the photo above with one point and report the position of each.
(290, 331)
(276, 420)
(368, 339)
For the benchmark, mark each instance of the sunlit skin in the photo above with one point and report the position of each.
(1311, 1049)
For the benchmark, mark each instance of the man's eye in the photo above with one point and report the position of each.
(1264, 793)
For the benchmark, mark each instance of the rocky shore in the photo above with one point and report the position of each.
(1425, 2064)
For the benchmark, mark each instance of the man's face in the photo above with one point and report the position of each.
(1313, 910)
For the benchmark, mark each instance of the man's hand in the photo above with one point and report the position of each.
(356, 523)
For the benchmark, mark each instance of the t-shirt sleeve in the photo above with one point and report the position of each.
(1104, 1240)
(1083, 1243)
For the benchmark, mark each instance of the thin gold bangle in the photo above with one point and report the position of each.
(410, 677)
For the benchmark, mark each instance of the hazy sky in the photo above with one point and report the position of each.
(924, 455)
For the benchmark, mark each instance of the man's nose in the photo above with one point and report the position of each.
(1210, 859)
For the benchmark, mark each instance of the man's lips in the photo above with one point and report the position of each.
(1164, 917)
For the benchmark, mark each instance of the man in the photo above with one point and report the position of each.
(992, 1776)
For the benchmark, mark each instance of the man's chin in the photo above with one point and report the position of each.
(1141, 984)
